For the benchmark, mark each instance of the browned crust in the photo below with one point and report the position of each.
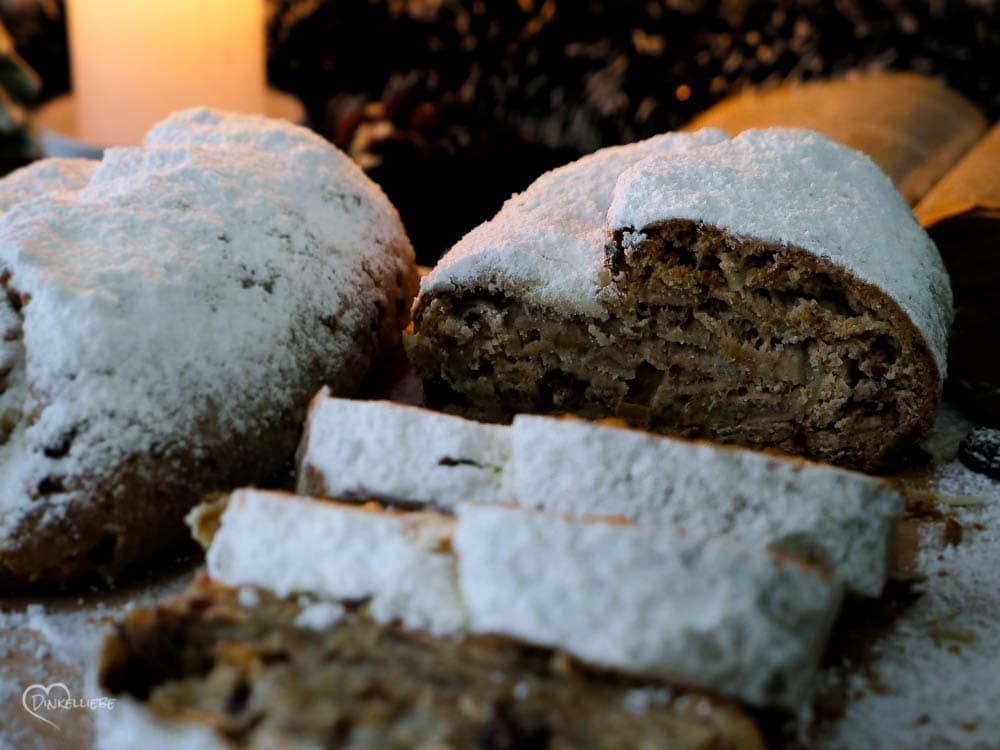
(134, 511)
(931, 382)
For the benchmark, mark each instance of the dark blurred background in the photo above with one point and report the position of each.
(451, 105)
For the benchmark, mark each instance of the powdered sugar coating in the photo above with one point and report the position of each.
(933, 680)
(843, 519)
(192, 291)
(44, 178)
(320, 615)
(131, 724)
(288, 544)
(648, 600)
(361, 450)
(799, 188)
(547, 243)
(643, 599)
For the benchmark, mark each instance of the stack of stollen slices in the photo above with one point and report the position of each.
(713, 567)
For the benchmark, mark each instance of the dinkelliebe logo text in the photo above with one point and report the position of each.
(56, 696)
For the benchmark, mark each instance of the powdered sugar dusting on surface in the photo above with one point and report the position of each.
(799, 188)
(319, 615)
(938, 670)
(436, 459)
(651, 600)
(547, 243)
(178, 293)
(43, 178)
(841, 517)
(398, 562)
(58, 641)
(572, 466)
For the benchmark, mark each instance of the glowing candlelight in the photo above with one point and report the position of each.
(135, 61)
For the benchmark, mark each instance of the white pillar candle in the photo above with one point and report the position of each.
(135, 61)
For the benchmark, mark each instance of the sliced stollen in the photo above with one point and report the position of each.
(844, 520)
(772, 290)
(167, 315)
(364, 450)
(841, 519)
(371, 685)
(644, 600)
(399, 562)
(822, 289)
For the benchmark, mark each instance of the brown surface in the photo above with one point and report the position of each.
(763, 346)
(971, 187)
(262, 682)
(912, 126)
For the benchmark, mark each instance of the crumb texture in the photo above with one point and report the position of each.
(772, 290)
(797, 188)
(210, 667)
(168, 314)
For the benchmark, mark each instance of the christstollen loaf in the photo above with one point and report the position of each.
(167, 315)
(771, 290)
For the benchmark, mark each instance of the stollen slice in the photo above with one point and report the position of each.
(249, 668)
(843, 520)
(650, 601)
(404, 455)
(400, 563)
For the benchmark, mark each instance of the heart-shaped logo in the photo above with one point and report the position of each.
(37, 697)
